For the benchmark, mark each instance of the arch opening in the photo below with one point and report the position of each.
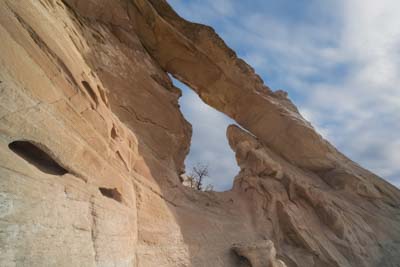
(209, 147)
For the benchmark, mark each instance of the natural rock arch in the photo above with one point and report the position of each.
(122, 131)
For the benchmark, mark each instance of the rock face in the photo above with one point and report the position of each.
(259, 254)
(92, 144)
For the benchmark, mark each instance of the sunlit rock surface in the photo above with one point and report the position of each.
(92, 144)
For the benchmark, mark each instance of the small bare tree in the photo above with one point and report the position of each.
(196, 177)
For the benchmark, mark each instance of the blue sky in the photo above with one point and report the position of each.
(339, 60)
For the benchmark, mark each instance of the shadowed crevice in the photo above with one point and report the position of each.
(112, 193)
(37, 157)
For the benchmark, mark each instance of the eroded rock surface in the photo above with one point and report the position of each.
(259, 254)
(92, 144)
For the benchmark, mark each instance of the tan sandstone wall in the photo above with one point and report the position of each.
(92, 143)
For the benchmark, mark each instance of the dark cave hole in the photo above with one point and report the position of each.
(37, 157)
(112, 193)
(90, 91)
(241, 260)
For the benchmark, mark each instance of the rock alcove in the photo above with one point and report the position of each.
(36, 156)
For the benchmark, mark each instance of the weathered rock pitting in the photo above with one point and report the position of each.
(92, 144)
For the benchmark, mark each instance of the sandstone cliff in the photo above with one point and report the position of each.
(92, 143)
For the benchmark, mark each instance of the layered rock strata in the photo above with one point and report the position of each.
(92, 144)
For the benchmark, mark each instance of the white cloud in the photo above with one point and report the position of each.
(204, 11)
(223, 7)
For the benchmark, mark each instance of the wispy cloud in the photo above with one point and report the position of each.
(339, 61)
